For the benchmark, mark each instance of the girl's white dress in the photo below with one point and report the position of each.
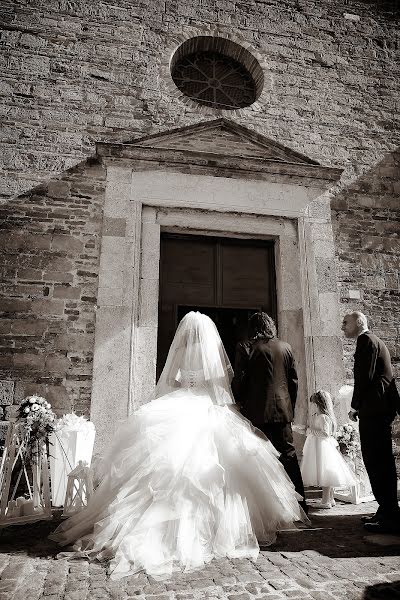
(185, 481)
(322, 463)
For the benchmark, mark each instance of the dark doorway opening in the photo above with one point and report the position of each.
(225, 278)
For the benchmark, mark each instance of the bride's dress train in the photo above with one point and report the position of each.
(187, 479)
(185, 482)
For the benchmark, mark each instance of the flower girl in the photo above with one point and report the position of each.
(322, 463)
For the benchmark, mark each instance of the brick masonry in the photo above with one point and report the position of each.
(74, 73)
(366, 223)
(49, 248)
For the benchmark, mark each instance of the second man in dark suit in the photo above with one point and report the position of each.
(265, 385)
(375, 403)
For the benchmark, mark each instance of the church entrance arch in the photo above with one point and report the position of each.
(225, 278)
(221, 181)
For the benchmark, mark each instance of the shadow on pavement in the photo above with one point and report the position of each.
(384, 591)
(337, 536)
(30, 539)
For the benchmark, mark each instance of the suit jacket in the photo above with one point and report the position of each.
(265, 381)
(375, 393)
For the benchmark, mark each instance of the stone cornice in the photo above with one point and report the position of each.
(209, 160)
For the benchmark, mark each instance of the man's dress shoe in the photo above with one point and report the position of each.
(383, 527)
(367, 519)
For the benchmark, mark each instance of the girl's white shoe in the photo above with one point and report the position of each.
(323, 505)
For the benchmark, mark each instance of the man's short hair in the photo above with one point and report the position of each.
(360, 319)
(261, 326)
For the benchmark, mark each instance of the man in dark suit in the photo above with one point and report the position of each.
(265, 385)
(375, 403)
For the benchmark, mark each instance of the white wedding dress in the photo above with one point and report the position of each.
(322, 463)
(186, 480)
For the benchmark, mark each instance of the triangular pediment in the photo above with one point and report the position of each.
(223, 138)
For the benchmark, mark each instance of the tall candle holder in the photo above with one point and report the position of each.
(18, 471)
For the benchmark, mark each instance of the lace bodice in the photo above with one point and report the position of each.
(320, 425)
(192, 379)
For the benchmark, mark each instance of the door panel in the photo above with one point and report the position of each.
(244, 272)
(227, 279)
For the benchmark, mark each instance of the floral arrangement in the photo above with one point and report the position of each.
(73, 422)
(38, 420)
(348, 440)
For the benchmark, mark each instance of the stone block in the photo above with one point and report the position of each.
(27, 327)
(112, 254)
(58, 276)
(6, 392)
(329, 372)
(114, 226)
(57, 364)
(391, 244)
(148, 303)
(58, 189)
(73, 342)
(319, 209)
(108, 295)
(29, 361)
(324, 249)
(330, 321)
(111, 372)
(150, 263)
(59, 398)
(59, 265)
(30, 274)
(47, 307)
(5, 326)
(117, 198)
(66, 292)
(15, 305)
(288, 280)
(372, 242)
(67, 243)
(326, 275)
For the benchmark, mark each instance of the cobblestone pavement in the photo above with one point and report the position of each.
(332, 559)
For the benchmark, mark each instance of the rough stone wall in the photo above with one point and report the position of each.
(49, 254)
(78, 72)
(73, 73)
(366, 223)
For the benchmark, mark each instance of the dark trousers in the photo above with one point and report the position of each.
(377, 453)
(281, 437)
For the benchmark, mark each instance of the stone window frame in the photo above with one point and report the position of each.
(177, 95)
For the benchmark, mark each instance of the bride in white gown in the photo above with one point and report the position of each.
(187, 478)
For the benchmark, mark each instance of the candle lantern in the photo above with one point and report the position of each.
(71, 441)
(24, 466)
(79, 489)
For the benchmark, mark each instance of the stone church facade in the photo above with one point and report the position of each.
(105, 154)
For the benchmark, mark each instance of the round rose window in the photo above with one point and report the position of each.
(217, 73)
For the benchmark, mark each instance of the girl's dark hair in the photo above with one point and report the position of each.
(261, 326)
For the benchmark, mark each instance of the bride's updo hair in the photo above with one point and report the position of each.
(197, 346)
(261, 326)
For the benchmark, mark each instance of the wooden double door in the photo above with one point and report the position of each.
(225, 278)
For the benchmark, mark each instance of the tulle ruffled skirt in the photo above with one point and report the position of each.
(323, 464)
(184, 482)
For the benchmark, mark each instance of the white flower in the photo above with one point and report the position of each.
(48, 405)
(35, 407)
(26, 410)
(32, 400)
